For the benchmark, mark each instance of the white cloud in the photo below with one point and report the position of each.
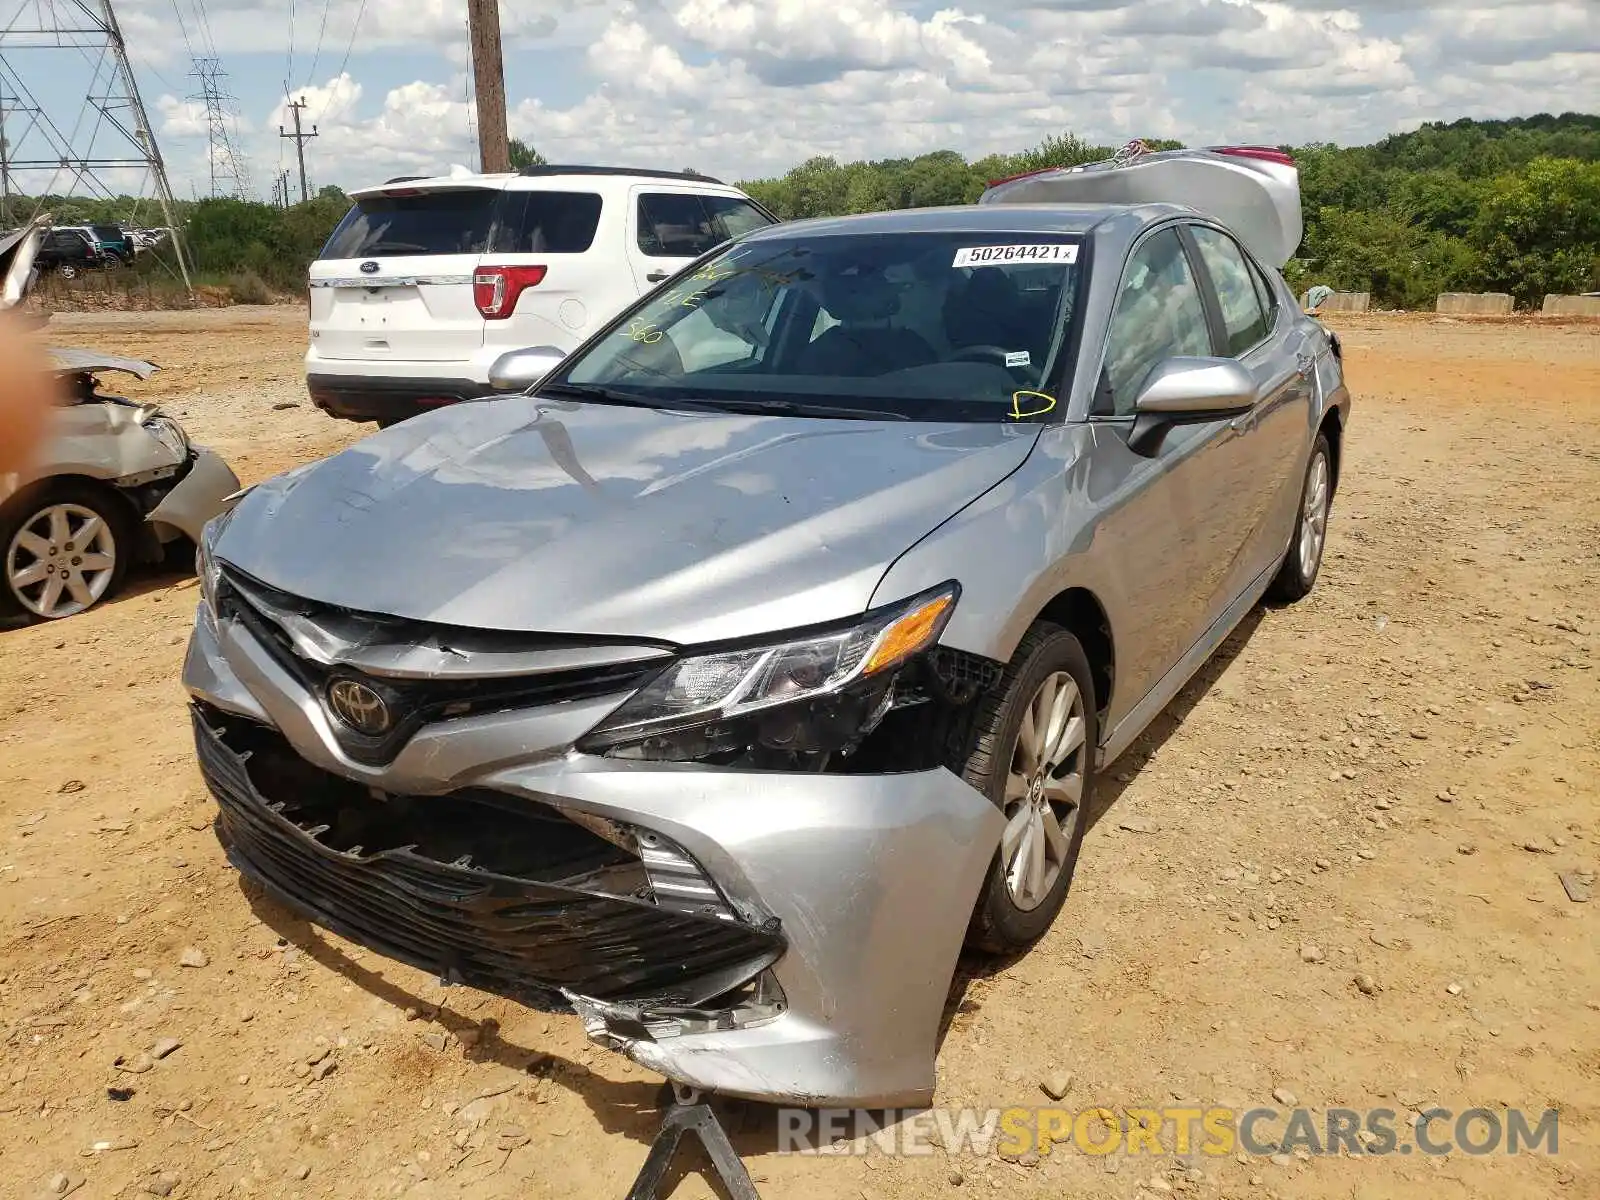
(744, 88)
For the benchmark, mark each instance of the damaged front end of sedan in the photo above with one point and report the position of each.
(532, 815)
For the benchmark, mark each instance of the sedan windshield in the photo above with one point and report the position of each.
(923, 326)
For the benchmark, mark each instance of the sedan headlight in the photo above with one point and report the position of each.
(206, 565)
(170, 434)
(807, 695)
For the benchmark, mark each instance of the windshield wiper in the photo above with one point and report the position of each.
(594, 391)
(791, 408)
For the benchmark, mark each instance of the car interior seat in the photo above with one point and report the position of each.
(863, 343)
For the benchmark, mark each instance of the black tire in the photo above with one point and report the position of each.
(67, 271)
(23, 508)
(999, 925)
(1295, 578)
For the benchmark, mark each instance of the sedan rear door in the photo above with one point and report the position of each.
(1254, 327)
(395, 279)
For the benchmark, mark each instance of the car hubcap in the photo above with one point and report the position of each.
(61, 561)
(1044, 789)
(1314, 518)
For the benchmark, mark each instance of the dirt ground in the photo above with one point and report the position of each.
(1388, 779)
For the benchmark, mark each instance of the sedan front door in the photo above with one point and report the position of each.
(1170, 512)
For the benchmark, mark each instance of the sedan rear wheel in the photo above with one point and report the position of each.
(1303, 561)
(1032, 754)
(65, 550)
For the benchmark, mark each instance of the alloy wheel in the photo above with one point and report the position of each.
(1314, 517)
(61, 561)
(1044, 790)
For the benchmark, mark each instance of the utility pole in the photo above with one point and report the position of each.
(489, 84)
(300, 140)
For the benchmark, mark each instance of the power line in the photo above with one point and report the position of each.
(288, 73)
(317, 53)
(345, 62)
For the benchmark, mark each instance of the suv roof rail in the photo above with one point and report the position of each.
(550, 169)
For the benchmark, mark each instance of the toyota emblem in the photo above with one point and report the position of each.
(359, 707)
(369, 267)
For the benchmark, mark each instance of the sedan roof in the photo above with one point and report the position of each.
(977, 218)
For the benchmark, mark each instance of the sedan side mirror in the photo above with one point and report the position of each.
(1189, 391)
(519, 370)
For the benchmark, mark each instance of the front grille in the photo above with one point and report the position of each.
(526, 936)
(418, 702)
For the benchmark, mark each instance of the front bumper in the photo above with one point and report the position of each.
(857, 889)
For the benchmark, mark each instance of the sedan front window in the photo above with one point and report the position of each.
(927, 326)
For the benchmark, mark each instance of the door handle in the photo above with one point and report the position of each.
(656, 276)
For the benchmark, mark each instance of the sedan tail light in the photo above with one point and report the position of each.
(994, 183)
(495, 290)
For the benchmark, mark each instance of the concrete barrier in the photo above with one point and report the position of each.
(1475, 304)
(1347, 302)
(1571, 306)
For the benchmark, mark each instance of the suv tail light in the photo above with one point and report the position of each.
(495, 290)
(1265, 153)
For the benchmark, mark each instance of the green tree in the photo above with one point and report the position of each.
(524, 155)
(1538, 229)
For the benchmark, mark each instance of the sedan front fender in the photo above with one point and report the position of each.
(203, 493)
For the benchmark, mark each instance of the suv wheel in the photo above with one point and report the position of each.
(1298, 574)
(67, 271)
(1032, 753)
(63, 549)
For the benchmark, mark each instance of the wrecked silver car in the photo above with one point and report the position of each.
(721, 686)
(116, 482)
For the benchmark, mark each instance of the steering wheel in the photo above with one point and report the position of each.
(983, 354)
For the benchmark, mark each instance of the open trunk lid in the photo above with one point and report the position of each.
(395, 278)
(1254, 190)
(18, 250)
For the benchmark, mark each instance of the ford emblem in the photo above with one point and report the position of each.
(369, 268)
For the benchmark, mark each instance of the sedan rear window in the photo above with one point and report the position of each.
(397, 226)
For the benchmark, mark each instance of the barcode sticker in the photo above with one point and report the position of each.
(990, 256)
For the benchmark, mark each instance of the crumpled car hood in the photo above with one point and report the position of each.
(604, 520)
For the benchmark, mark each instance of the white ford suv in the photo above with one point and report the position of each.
(427, 281)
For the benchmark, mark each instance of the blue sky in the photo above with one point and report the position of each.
(743, 89)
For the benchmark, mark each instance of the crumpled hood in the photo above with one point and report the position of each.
(533, 514)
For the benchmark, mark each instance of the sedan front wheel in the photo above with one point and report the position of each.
(65, 549)
(1032, 754)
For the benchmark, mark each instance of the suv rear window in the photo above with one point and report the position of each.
(445, 222)
(537, 222)
(686, 225)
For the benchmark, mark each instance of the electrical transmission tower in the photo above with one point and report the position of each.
(230, 174)
(111, 149)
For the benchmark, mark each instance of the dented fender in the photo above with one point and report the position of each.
(203, 493)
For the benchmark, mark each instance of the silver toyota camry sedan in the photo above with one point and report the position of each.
(726, 680)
